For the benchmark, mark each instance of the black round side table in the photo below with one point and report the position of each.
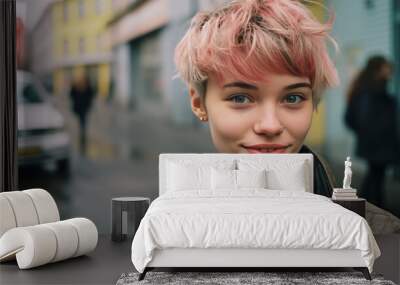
(126, 214)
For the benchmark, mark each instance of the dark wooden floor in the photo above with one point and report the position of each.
(102, 266)
(110, 259)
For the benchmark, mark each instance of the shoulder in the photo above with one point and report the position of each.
(323, 176)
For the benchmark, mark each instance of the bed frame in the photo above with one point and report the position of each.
(248, 259)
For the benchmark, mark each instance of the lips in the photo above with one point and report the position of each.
(267, 148)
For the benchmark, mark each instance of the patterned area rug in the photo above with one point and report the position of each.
(230, 278)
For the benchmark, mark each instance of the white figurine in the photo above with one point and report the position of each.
(347, 174)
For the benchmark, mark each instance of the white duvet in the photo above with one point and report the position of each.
(252, 218)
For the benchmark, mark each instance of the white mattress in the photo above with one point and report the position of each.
(252, 218)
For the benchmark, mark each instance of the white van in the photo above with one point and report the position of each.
(42, 137)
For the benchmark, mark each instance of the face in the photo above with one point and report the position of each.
(386, 72)
(272, 116)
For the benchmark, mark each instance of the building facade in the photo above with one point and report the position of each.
(143, 39)
(80, 42)
(41, 52)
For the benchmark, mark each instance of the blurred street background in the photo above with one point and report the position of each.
(125, 49)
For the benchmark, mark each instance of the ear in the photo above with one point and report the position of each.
(197, 104)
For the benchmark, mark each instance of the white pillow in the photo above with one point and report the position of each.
(278, 180)
(223, 179)
(282, 174)
(186, 174)
(251, 178)
(187, 177)
(236, 179)
(292, 179)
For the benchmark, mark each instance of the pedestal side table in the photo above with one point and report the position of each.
(126, 214)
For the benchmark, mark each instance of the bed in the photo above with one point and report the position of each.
(247, 211)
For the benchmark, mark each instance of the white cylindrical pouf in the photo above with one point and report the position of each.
(7, 218)
(23, 207)
(40, 244)
(40, 247)
(34, 245)
(87, 234)
(45, 205)
(67, 239)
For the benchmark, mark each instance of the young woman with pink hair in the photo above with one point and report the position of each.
(256, 71)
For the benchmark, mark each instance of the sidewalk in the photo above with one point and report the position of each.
(137, 135)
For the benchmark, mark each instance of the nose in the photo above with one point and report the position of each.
(268, 124)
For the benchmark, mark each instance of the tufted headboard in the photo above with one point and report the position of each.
(209, 158)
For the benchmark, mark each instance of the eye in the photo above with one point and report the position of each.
(293, 99)
(240, 99)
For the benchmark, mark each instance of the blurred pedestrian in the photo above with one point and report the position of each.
(82, 95)
(371, 114)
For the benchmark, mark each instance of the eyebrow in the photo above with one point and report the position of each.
(241, 85)
(298, 85)
(253, 87)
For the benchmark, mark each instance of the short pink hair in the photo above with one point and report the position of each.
(248, 38)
